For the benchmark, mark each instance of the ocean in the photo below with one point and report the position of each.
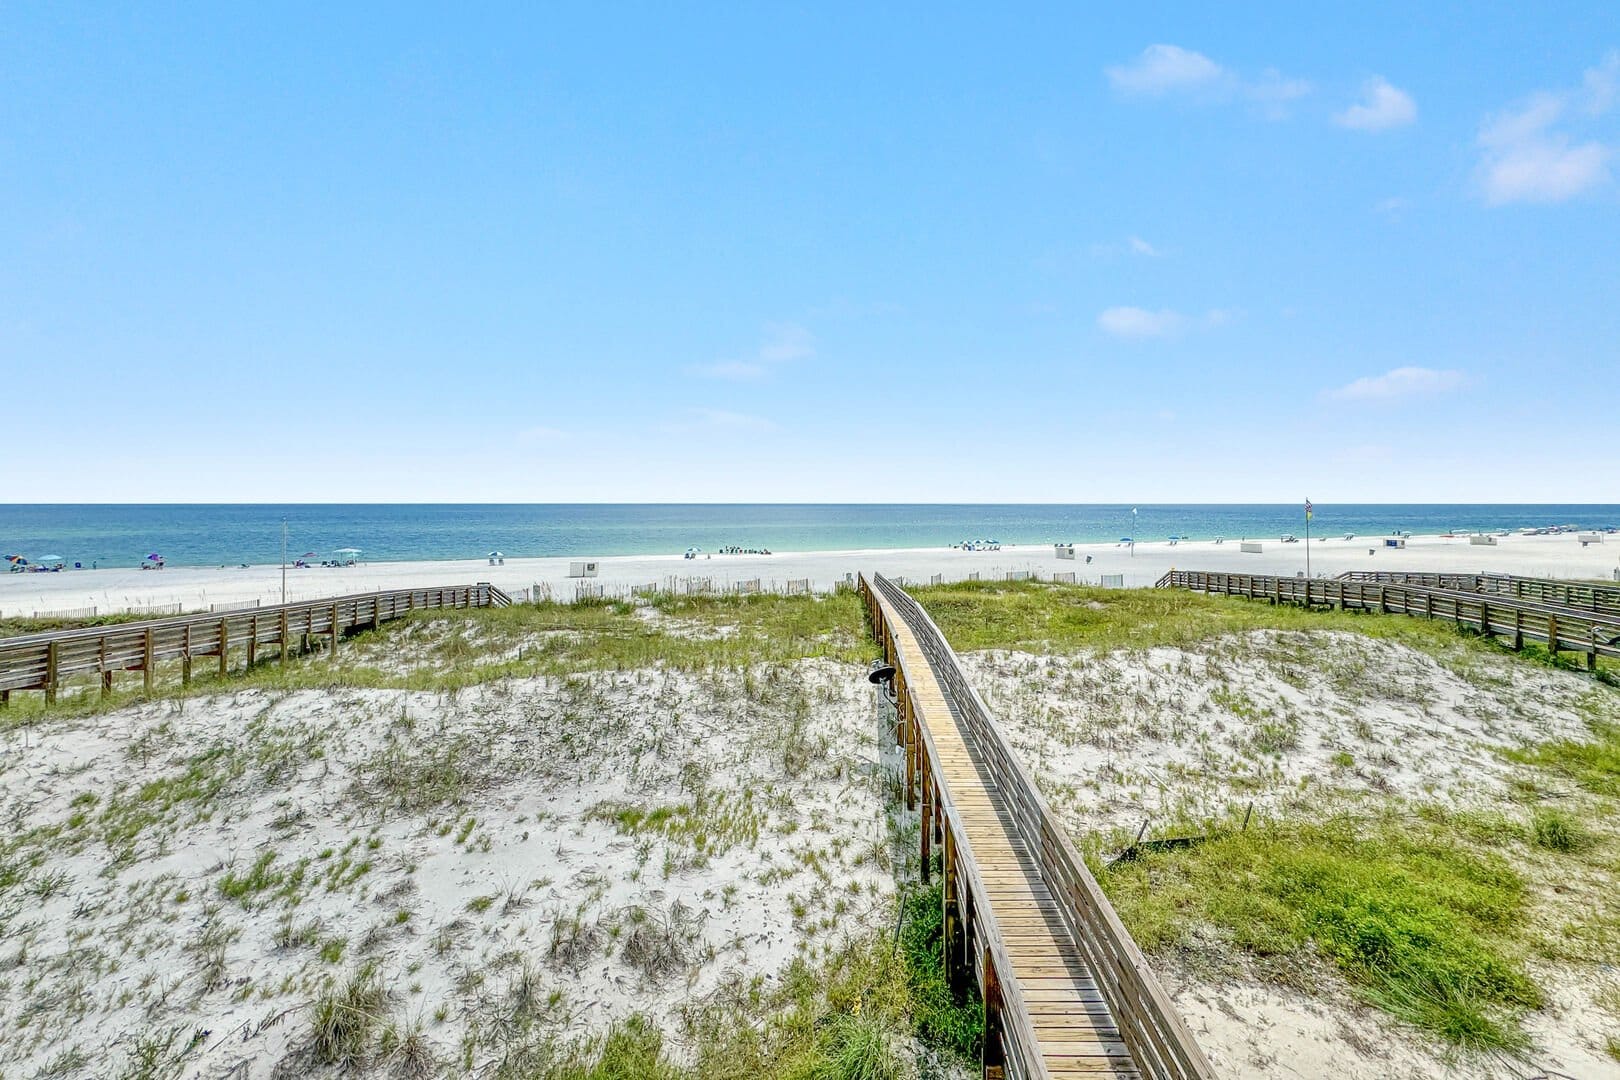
(227, 535)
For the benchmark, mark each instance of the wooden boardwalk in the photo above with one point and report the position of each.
(44, 661)
(1495, 608)
(1067, 993)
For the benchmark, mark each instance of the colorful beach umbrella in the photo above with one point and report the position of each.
(154, 557)
(18, 559)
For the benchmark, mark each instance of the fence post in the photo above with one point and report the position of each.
(253, 641)
(335, 629)
(50, 672)
(1552, 635)
(185, 656)
(283, 637)
(224, 647)
(1518, 629)
(147, 652)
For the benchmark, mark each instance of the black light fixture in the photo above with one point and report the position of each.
(880, 673)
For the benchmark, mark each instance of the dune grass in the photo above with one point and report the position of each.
(447, 650)
(1428, 915)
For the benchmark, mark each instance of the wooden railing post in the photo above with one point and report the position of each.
(253, 641)
(284, 642)
(185, 656)
(147, 653)
(953, 929)
(927, 824)
(224, 648)
(50, 672)
(106, 672)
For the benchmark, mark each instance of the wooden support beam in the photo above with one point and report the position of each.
(224, 648)
(926, 825)
(185, 658)
(147, 654)
(336, 630)
(283, 638)
(106, 672)
(253, 641)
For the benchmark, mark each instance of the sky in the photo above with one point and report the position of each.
(548, 253)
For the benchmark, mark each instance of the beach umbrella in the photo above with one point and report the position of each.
(495, 555)
(307, 555)
(348, 551)
(154, 557)
(50, 558)
(18, 559)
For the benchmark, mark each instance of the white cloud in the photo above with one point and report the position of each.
(1165, 69)
(727, 369)
(1385, 107)
(1142, 247)
(1403, 382)
(1169, 70)
(785, 342)
(1135, 322)
(701, 421)
(1529, 153)
(1601, 84)
(782, 343)
(726, 420)
(1392, 205)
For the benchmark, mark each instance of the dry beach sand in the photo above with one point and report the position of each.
(197, 587)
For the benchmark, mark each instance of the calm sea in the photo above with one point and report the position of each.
(214, 535)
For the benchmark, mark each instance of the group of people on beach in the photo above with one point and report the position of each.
(733, 550)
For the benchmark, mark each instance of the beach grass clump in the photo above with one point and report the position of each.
(942, 1017)
(1557, 830)
(1593, 763)
(1424, 926)
(348, 1019)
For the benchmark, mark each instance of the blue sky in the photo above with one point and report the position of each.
(810, 253)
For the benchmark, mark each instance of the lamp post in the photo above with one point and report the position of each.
(284, 561)
(1308, 509)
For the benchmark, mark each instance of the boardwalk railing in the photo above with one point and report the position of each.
(42, 661)
(1595, 597)
(1131, 1000)
(1559, 627)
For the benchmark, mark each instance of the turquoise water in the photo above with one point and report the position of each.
(213, 535)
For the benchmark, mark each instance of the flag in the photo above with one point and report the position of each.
(1308, 509)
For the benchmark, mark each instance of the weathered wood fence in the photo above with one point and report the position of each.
(1561, 628)
(1067, 992)
(1595, 597)
(43, 661)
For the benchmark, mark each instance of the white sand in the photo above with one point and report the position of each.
(113, 939)
(198, 587)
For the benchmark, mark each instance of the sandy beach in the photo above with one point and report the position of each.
(195, 588)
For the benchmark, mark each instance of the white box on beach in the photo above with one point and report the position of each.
(1064, 551)
(581, 569)
(1591, 538)
(1485, 541)
(1251, 546)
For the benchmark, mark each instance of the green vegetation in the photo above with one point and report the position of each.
(448, 650)
(1594, 765)
(1062, 618)
(941, 1017)
(1426, 917)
